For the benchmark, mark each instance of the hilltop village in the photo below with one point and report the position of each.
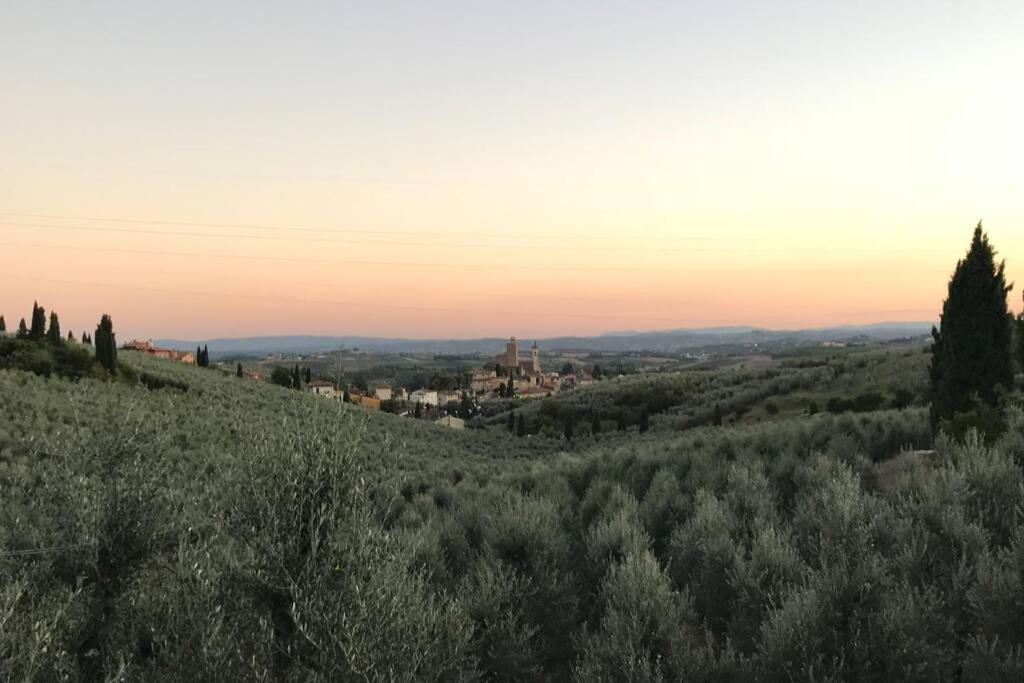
(513, 375)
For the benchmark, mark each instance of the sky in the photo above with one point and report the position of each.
(460, 169)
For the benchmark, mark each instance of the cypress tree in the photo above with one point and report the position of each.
(71, 336)
(238, 371)
(296, 378)
(568, 429)
(717, 418)
(419, 411)
(3, 325)
(521, 425)
(1020, 340)
(971, 355)
(106, 343)
(199, 356)
(22, 329)
(53, 334)
(512, 422)
(309, 375)
(38, 329)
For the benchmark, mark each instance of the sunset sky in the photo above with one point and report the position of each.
(442, 169)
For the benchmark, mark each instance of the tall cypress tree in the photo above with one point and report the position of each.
(53, 334)
(238, 371)
(22, 328)
(85, 338)
(309, 375)
(1020, 340)
(106, 343)
(3, 326)
(38, 329)
(971, 355)
(71, 336)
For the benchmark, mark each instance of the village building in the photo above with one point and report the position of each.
(321, 388)
(534, 392)
(360, 399)
(509, 362)
(399, 394)
(383, 392)
(150, 350)
(425, 396)
(452, 422)
(485, 384)
(446, 397)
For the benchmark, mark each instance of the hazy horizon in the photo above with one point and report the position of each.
(461, 170)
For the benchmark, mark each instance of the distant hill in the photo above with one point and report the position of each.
(662, 341)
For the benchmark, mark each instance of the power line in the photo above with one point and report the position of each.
(342, 303)
(562, 235)
(575, 248)
(377, 304)
(29, 552)
(412, 264)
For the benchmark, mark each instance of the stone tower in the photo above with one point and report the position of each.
(535, 357)
(512, 355)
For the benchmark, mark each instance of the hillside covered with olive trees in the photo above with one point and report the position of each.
(811, 519)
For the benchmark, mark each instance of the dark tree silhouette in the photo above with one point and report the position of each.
(106, 343)
(38, 328)
(53, 334)
(971, 356)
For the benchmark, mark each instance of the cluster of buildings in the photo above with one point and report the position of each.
(527, 378)
(384, 392)
(148, 348)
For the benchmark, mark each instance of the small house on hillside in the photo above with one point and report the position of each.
(321, 388)
(453, 422)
